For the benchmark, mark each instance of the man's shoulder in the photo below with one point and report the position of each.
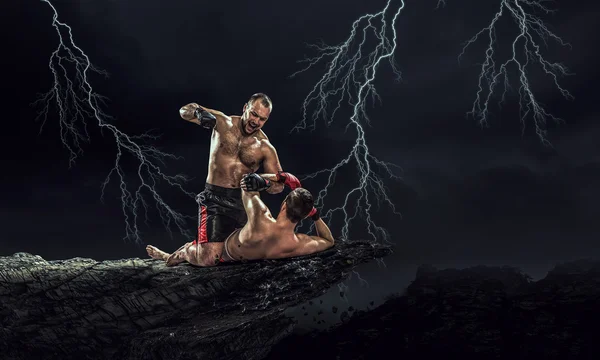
(228, 118)
(260, 135)
(264, 140)
(261, 227)
(224, 122)
(302, 237)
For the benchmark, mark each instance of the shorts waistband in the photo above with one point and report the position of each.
(235, 193)
(226, 248)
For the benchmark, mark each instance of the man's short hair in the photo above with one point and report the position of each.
(299, 203)
(264, 100)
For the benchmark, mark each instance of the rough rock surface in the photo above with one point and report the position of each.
(141, 309)
(475, 313)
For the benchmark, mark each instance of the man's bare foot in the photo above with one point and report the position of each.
(155, 253)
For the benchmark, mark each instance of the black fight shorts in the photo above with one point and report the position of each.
(220, 212)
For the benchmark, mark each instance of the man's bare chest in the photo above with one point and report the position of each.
(247, 150)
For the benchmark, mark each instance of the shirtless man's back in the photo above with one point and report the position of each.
(268, 237)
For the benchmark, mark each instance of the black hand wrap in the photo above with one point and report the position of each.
(255, 182)
(314, 214)
(207, 120)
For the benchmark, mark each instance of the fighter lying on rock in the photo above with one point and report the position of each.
(263, 236)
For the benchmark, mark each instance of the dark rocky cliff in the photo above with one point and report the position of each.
(141, 309)
(476, 313)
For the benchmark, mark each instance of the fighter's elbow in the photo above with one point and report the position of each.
(187, 111)
(324, 244)
(183, 113)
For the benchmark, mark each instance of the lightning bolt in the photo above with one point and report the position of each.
(532, 31)
(351, 70)
(349, 77)
(76, 100)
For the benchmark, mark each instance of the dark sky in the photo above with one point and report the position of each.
(468, 195)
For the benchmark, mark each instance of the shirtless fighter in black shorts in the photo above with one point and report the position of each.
(238, 146)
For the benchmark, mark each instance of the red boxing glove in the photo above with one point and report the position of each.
(288, 179)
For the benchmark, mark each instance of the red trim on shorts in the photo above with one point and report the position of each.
(202, 236)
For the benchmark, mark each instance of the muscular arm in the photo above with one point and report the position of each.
(187, 113)
(271, 166)
(313, 244)
(324, 232)
(254, 206)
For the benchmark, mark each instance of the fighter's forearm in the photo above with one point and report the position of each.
(252, 203)
(188, 112)
(276, 187)
(270, 177)
(247, 197)
(323, 230)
